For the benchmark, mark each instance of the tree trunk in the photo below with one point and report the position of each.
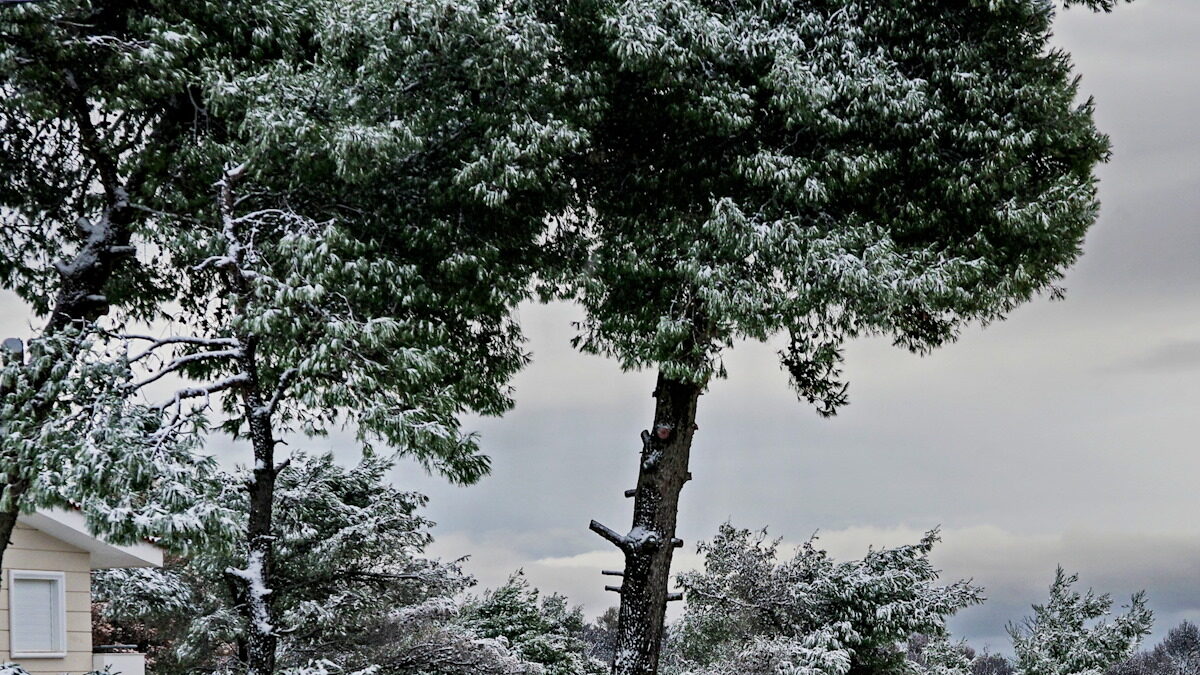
(262, 637)
(8, 516)
(649, 546)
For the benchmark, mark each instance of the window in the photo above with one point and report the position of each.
(37, 614)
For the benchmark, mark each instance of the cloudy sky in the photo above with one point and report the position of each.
(1065, 435)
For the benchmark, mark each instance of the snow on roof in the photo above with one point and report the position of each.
(71, 527)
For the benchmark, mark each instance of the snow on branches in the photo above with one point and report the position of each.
(1069, 636)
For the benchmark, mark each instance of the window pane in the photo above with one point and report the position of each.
(34, 615)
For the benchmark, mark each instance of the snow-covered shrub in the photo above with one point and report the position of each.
(348, 555)
(748, 611)
(549, 632)
(430, 639)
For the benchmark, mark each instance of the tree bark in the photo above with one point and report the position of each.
(258, 609)
(650, 545)
(8, 517)
(262, 638)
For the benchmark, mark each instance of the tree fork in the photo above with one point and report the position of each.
(650, 545)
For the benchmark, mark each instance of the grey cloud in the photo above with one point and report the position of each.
(1174, 356)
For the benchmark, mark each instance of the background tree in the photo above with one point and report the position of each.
(1066, 636)
(824, 170)
(1177, 654)
(991, 664)
(748, 611)
(348, 555)
(601, 636)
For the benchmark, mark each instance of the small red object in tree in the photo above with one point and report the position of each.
(663, 431)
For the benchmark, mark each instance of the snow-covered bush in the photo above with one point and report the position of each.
(549, 632)
(430, 639)
(748, 611)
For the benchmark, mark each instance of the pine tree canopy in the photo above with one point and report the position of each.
(825, 169)
(416, 151)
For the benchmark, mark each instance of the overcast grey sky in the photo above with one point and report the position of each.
(1065, 435)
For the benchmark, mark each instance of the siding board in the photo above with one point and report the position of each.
(35, 550)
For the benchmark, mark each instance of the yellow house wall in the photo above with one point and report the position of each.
(35, 550)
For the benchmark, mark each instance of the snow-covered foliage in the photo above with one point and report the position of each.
(823, 170)
(347, 556)
(548, 632)
(73, 438)
(423, 141)
(331, 340)
(1069, 635)
(748, 611)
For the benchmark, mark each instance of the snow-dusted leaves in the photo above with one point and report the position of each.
(764, 167)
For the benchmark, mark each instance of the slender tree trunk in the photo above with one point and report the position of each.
(649, 546)
(262, 637)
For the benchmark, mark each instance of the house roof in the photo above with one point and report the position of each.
(71, 527)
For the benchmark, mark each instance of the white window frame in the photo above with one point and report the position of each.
(60, 616)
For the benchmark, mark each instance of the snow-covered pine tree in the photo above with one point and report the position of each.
(749, 611)
(378, 221)
(825, 170)
(1068, 636)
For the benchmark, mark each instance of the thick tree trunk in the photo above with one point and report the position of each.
(649, 546)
